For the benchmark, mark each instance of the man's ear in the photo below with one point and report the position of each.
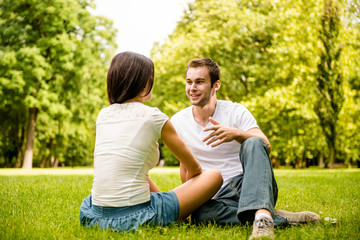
(217, 85)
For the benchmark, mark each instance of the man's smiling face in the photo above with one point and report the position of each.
(198, 86)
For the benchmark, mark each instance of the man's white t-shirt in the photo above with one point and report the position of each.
(126, 148)
(224, 157)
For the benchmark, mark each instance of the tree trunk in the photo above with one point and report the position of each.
(331, 146)
(20, 148)
(331, 156)
(30, 137)
(45, 162)
(321, 161)
(18, 160)
(54, 162)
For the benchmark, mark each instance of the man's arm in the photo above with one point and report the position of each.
(223, 134)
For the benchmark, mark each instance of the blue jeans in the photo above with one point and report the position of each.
(255, 188)
(162, 209)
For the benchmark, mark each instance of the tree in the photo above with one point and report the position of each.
(268, 55)
(53, 61)
(329, 77)
(254, 44)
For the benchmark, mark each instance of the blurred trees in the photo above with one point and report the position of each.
(270, 54)
(54, 56)
(329, 77)
(53, 60)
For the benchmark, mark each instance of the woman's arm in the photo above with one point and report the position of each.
(180, 151)
(153, 187)
(183, 173)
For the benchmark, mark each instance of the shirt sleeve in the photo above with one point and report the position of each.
(245, 120)
(159, 119)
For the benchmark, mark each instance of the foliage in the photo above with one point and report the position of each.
(277, 113)
(46, 206)
(329, 77)
(268, 52)
(54, 54)
(53, 60)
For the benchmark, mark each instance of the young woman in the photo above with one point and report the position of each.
(123, 197)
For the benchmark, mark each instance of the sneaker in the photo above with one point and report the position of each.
(296, 218)
(263, 227)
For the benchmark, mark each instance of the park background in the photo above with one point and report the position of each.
(294, 64)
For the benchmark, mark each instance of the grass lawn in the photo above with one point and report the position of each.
(44, 204)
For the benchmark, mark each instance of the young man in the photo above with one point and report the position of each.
(218, 132)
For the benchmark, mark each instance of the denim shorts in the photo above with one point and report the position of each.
(162, 210)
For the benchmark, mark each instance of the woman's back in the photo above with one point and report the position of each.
(125, 150)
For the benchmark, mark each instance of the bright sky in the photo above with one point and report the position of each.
(140, 23)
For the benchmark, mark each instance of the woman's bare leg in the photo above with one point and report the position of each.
(196, 191)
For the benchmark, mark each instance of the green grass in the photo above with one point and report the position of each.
(44, 204)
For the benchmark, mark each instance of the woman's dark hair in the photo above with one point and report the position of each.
(128, 75)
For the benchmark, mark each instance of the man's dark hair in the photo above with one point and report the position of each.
(128, 75)
(214, 69)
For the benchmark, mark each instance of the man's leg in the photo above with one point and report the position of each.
(215, 211)
(222, 209)
(259, 188)
(296, 218)
(225, 207)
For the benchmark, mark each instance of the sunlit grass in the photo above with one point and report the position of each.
(70, 171)
(47, 171)
(44, 204)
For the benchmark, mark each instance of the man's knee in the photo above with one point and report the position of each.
(253, 142)
(253, 147)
